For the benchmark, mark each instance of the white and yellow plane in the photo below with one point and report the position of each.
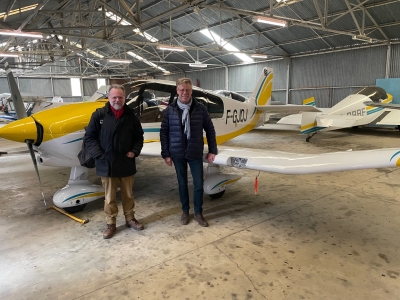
(56, 135)
(350, 112)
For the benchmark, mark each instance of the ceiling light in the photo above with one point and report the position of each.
(9, 54)
(259, 55)
(198, 65)
(21, 33)
(271, 21)
(224, 44)
(120, 61)
(362, 38)
(171, 48)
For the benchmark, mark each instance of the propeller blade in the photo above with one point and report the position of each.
(15, 94)
(29, 143)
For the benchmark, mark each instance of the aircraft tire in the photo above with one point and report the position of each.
(74, 209)
(217, 195)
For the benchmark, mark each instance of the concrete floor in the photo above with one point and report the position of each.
(323, 236)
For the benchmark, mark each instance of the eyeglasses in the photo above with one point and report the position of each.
(184, 90)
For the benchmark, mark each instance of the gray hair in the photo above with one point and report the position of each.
(116, 86)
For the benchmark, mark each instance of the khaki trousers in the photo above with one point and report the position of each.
(110, 185)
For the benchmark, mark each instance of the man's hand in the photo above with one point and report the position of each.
(168, 161)
(210, 157)
(130, 154)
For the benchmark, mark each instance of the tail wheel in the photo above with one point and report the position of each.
(217, 195)
(74, 209)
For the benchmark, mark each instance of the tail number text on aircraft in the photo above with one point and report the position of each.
(357, 112)
(238, 116)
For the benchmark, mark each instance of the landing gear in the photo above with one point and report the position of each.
(310, 136)
(74, 209)
(217, 195)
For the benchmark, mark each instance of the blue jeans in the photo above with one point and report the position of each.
(196, 168)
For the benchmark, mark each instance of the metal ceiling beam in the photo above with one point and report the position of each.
(171, 12)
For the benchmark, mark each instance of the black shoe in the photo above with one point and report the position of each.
(185, 218)
(200, 219)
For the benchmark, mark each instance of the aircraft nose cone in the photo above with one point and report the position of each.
(20, 130)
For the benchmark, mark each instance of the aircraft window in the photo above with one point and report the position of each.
(164, 94)
(214, 104)
(376, 94)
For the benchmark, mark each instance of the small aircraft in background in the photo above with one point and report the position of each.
(56, 135)
(350, 112)
(32, 105)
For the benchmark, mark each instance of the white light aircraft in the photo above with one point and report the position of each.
(350, 112)
(56, 135)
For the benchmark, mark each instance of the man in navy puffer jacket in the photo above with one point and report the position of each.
(182, 143)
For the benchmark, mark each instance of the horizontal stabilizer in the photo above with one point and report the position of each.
(382, 105)
(289, 109)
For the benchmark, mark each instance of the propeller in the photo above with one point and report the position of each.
(21, 113)
(32, 153)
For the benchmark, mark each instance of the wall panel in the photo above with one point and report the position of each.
(395, 62)
(62, 87)
(36, 86)
(339, 69)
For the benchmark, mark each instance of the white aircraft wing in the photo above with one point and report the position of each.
(289, 109)
(293, 163)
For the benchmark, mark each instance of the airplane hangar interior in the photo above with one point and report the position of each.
(302, 199)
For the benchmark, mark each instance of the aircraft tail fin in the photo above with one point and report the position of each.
(309, 123)
(15, 94)
(262, 93)
(309, 101)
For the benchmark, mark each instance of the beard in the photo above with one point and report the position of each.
(117, 106)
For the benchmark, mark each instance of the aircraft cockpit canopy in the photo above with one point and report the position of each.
(153, 97)
(375, 93)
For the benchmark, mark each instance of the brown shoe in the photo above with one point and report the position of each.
(200, 219)
(134, 224)
(185, 218)
(109, 232)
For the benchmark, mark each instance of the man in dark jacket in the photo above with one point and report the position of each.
(182, 143)
(114, 137)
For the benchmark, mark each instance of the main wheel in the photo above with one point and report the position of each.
(74, 209)
(217, 195)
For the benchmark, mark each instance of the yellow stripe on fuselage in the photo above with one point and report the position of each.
(308, 126)
(266, 90)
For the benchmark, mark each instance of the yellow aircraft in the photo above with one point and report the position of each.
(56, 135)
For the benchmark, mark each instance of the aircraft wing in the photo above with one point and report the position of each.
(293, 163)
(382, 105)
(289, 109)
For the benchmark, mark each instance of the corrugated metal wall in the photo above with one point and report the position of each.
(213, 79)
(89, 86)
(395, 62)
(330, 77)
(36, 86)
(4, 86)
(62, 87)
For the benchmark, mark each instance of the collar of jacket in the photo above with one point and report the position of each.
(194, 103)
